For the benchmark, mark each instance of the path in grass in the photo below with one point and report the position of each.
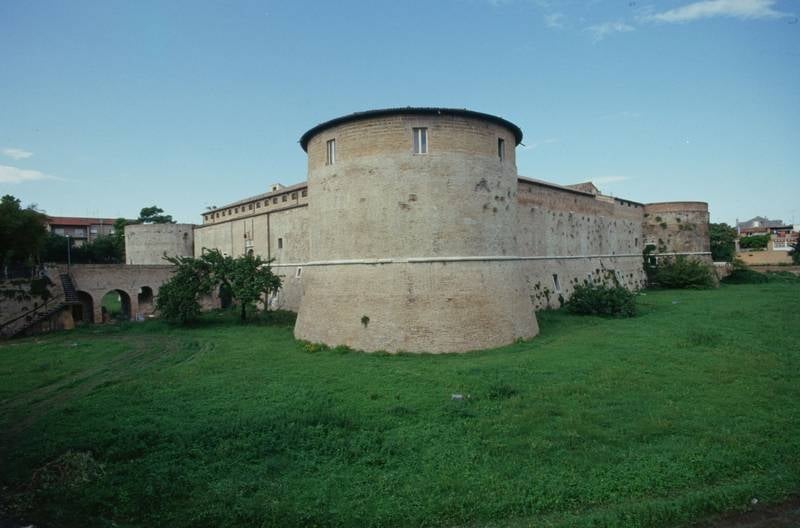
(689, 409)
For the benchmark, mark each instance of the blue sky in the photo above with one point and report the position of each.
(110, 106)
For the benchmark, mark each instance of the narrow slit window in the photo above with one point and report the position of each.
(280, 243)
(299, 271)
(420, 140)
(556, 284)
(501, 148)
(330, 153)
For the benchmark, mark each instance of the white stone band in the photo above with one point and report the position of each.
(487, 258)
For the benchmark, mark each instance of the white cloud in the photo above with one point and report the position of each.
(743, 9)
(609, 179)
(10, 174)
(601, 31)
(16, 153)
(554, 20)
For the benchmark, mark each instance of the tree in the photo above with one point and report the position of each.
(119, 236)
(22, 231)
(153, 215)
(178, 298)
(795, 252)
(248, 278)
(723, 242)
(101, 250)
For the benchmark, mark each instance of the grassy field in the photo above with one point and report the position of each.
(691, 408)
(113, 304)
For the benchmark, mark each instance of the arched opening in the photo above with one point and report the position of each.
(83, 313)
(145, 298)
(225, 296)
(116, 306)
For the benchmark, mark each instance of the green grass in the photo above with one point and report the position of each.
(691, 408)
(113, 304)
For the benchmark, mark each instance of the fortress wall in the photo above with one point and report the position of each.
(146, 244)
(584, 237)
(235, 237)
(540, 281)
(678, 227)
(556, 222)
(433, 307)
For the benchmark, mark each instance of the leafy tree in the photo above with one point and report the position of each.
(22, 231)
(102, 250)
(795, 252)
(153, 215)
(723, 242)
(178, 298)
(119, 235)
(248, 278)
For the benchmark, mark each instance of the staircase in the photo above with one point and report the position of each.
(70, 295)
(51, 307)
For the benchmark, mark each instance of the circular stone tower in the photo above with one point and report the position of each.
(146, 244)
(412, 214)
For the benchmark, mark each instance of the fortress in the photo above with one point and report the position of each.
(415, 233)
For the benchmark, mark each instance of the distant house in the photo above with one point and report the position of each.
(758, 225)
(81, 230)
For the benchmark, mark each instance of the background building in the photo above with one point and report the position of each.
(81, 230)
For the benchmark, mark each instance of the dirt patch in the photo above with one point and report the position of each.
(782, 515)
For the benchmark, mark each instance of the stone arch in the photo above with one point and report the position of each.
(115, 304)
(145, 300)
(83, 313)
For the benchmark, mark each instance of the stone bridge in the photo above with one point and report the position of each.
(136, 287)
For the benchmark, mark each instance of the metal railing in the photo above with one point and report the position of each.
(32, 313)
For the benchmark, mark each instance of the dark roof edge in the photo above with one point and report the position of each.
(270, 194)
(409, 110)
(567, 188)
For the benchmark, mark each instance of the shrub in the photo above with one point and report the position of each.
(754, 242)
(600, 299)
(795, 252)
(741, 274)
(682, 272)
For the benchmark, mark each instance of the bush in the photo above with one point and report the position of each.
(741, 274)
(756, 242)
(681, 272)
(599, 299)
